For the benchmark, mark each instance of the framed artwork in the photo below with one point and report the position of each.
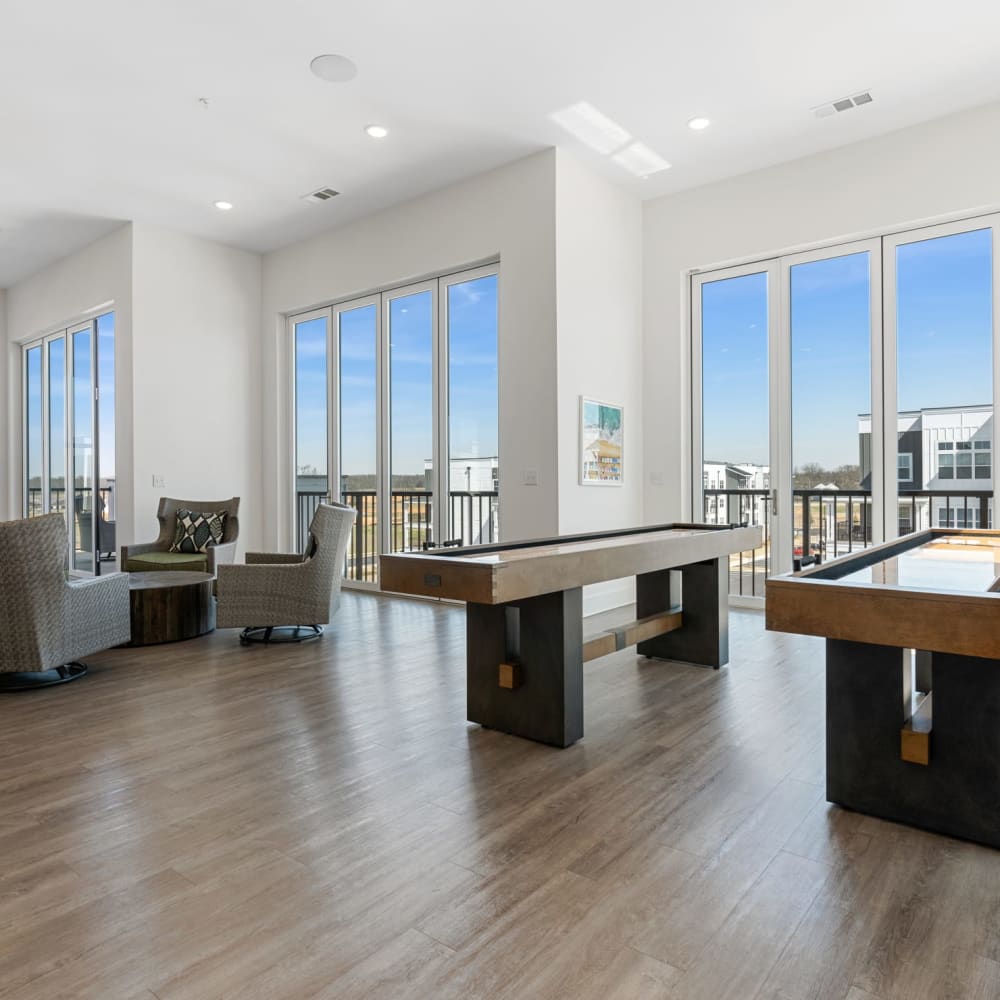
(601, 443)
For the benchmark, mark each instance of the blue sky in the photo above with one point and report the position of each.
(944, 306)
(472, 366)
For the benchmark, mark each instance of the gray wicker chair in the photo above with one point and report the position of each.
(156, 556)
(288, 598)
(49, 621)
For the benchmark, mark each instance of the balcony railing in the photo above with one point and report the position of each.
(57, 500)
(831, 523)
(747, 570)
(474, 519)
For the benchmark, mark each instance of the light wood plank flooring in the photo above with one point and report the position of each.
(201, 821)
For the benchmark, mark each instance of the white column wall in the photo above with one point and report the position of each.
(98, 276)
(508, 212)
(939, 169)
(599, 294)
(7, 422)
(196, 369)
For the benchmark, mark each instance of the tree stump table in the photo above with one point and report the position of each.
(170, 606)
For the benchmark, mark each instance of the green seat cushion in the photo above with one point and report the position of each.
(153, 562)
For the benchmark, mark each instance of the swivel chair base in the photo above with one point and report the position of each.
(280, 633)
(27, 680)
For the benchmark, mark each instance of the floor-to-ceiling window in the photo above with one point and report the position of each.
(473, 408)
(69, 439)
(311, 375)
(942, 317)
(732, 439)
(830, 304)
(34, 432)
(106, 506)
(399, 391)
(880, 400)
(412, 333)
(358, 394)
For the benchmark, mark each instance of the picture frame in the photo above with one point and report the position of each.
(602, 443)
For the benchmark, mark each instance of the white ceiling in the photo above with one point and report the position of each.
(100, 119)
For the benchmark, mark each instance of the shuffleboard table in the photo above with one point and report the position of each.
(525, 647)
(912, 633)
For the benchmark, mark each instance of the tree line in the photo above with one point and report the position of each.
(810, 475)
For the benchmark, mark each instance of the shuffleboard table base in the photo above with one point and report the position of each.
(955, 793)
(704, 637)
(543, 637)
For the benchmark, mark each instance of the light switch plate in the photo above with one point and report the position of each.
(158, 480)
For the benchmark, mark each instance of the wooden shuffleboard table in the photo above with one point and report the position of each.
(912, 633)
(525, 646)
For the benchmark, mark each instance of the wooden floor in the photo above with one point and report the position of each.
(203, 821)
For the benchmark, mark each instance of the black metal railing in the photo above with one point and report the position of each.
(474, 516)
(474, 519)
(831, 523)
(747, 570)
(83, 500)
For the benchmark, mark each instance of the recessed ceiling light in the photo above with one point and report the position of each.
(223, 206)
(640, 160)
(333, 68)
(699, 123)
(377, 131)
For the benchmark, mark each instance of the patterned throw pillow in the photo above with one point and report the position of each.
(196, 532)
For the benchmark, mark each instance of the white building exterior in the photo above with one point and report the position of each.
(941, 450)
(724, 508)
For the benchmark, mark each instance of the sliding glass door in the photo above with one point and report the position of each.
(34, 432)
(832, 303)
(357, 428)
(882, 374)
(310, 335)
(399, 390)
(939, 326)
(469, 305)
(411, 326)
(733, 440)
(69, 437)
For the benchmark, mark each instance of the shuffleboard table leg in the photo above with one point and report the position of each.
(704, 637)
(867, 689)
(544, 636)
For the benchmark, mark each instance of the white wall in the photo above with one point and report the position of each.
(599, 299)
(941, 168)
(97, 277)
(6, 417)
(508, 212)
(196, 370)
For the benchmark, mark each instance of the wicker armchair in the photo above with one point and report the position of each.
(287, 598)
(49, 621)
(156, 556)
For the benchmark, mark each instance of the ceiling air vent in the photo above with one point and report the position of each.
(842, 104)
(323, 194)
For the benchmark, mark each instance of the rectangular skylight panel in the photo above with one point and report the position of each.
(640, 160)
(592, 127)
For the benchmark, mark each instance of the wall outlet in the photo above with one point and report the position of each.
(159, 481)
(529, 477)
(656, 478)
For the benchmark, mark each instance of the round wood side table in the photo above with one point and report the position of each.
(170, 606)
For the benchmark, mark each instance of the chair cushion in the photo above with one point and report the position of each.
(152, 562)
(197, 531)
